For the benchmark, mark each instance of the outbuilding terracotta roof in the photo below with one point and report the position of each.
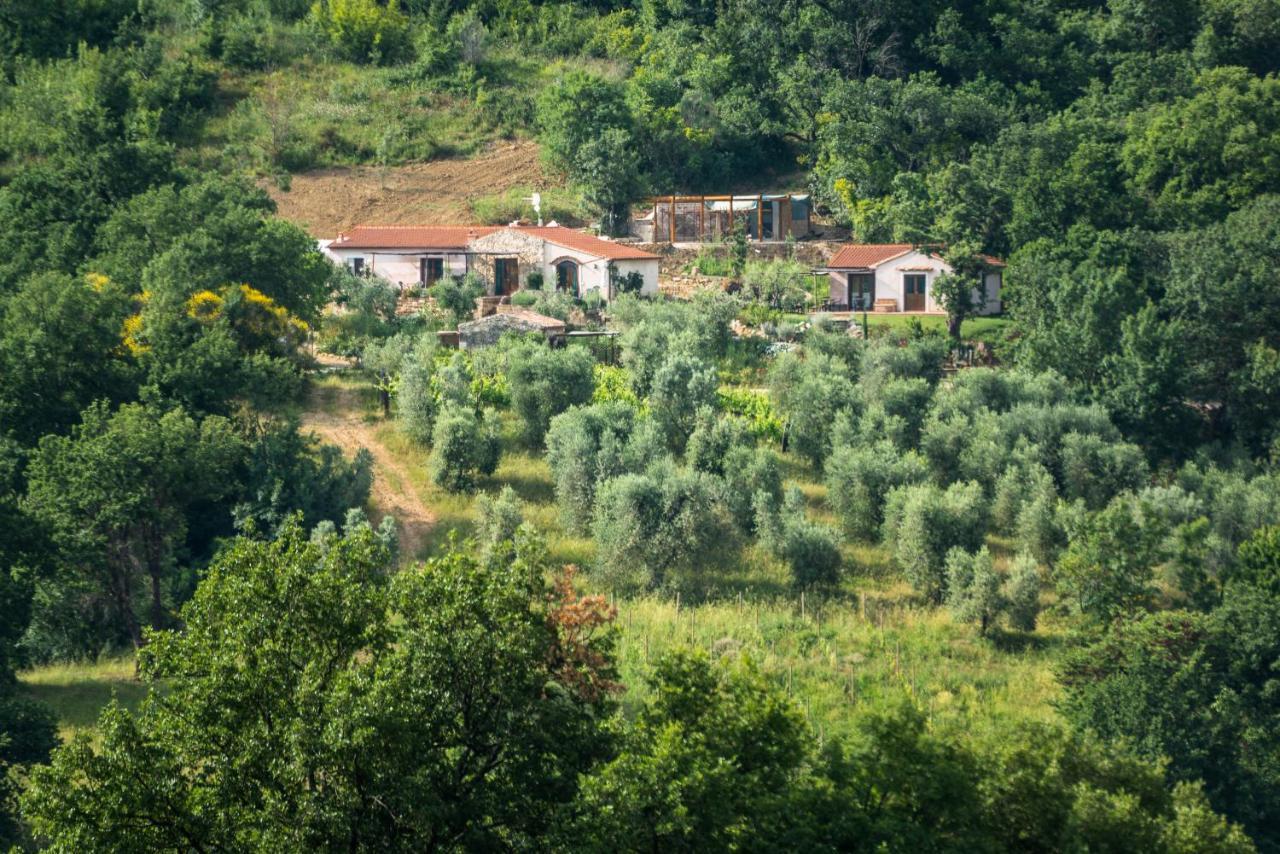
(411, 236)
(581, 242)
(868, 255)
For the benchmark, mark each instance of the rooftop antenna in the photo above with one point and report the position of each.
(536, 201)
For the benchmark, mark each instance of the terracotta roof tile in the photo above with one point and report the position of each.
(870, 255)
(860, 255)
(411, 236)
(458, 236)
(581, 242)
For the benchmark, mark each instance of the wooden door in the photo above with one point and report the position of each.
(505, 276)
(913, 292)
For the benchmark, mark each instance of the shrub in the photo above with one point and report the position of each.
(464, 446)
(545, 382)
(498, 519)
(245, 42)
(649, 525)
(924, 522)
(611, 386)
(682, 386)
(809, 549)
(1022, 593)
(755, 407)
(973, 588)
(859, 478)
(364, 30)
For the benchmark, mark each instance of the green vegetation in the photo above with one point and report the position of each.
(806, 591)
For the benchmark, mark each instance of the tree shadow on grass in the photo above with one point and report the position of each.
(78, 700)
(1017, 643)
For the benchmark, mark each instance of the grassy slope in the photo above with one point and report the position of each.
(871, 641)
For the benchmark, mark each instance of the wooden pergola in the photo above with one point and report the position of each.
(671, 206)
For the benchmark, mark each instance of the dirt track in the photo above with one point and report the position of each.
(327, 201)
(335, 415)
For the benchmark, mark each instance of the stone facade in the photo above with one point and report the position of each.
(526, 249)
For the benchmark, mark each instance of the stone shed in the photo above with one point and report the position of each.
(486, 331)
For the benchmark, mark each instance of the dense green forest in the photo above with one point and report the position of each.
(788, 589)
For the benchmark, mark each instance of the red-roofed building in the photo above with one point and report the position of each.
(504, 256)
(899, 277)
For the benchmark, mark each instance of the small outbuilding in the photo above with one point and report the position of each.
(899, 277)
(486, 331)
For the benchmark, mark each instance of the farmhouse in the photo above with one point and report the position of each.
(505, 257)
(899, 277)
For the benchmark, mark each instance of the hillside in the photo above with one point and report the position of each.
(447, 190)
(717, 564)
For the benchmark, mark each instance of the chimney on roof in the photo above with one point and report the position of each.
(553, 224)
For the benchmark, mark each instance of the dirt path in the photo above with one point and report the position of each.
(336, 416)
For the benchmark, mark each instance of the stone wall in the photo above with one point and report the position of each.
(527, 249)
(485, 332)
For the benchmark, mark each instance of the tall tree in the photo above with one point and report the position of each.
(315, 702)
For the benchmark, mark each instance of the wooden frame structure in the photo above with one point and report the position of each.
(713, 210)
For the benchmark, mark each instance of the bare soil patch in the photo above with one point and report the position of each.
(437, 192)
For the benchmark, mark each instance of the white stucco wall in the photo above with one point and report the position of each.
(404, 267)
(647, 267)
(401, 268)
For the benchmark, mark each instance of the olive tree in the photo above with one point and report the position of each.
(811, 550)
(923, 522)
(545, 382)
(497, 520)
(810, 393)
(650, 525)
(858, 479)
(973, 588)
(590, 444)
(1022, 593)
(464, 447)
(682, 387)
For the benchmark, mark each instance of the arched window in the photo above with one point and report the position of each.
(567, 276)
